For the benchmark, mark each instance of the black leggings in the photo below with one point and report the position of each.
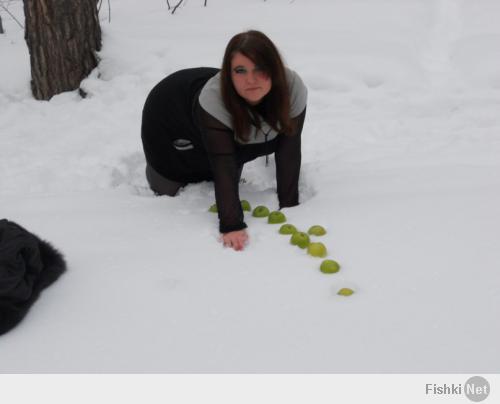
(161, 185)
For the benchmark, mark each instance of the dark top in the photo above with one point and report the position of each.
(227, 156)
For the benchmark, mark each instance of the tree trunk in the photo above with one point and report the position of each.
(63, 37)
(1, 26)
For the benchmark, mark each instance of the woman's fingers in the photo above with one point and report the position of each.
(235, 240)
(242, 240)
(240, 243)
(236, 243)
(227, 242)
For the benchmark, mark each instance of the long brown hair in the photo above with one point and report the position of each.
(275, 108)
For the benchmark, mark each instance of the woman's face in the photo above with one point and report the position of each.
(250, 82)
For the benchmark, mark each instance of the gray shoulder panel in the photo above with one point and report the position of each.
(298, 92)
(211, 101)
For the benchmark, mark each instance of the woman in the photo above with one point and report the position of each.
(204, 124)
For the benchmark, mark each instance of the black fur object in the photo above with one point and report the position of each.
(28, 265)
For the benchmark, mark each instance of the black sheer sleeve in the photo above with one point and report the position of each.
(220, 145)
(288, 158)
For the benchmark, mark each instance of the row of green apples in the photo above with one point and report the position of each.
(298, 238)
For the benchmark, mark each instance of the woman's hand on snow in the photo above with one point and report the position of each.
(235, 239)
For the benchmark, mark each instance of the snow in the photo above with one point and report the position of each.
(400, 164)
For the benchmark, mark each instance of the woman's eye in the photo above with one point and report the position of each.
(240, 70)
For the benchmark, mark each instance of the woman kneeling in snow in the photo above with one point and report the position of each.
(205, 124)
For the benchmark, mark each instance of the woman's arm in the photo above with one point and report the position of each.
(219, 143)
(288, 159)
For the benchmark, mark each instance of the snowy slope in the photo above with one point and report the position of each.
(400, 164)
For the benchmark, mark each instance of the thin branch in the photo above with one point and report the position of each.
(177, 6)
(14, 18)
(109, 9)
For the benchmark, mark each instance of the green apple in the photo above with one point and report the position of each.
(288, 229)
(260, 211)
(317, 230)
(276, 217)
(345, 292)
(245, 205)
(300, 239)
(213, 208)
(329, 267)
(317, 250)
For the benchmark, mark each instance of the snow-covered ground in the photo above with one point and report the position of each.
(401, 164)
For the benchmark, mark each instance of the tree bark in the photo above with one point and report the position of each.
(63, 37)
